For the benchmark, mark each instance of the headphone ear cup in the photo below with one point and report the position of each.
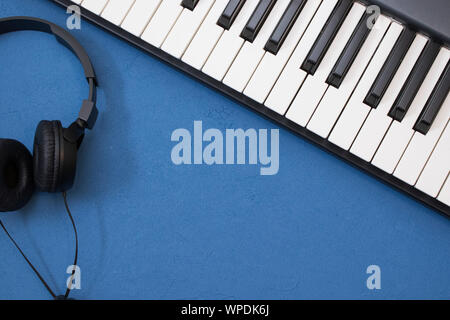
(16, 175)
(46, 155)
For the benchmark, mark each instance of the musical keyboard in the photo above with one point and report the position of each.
(370, 88)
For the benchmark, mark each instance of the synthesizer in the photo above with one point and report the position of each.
(366, 80)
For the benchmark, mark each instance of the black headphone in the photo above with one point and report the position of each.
(52, 167)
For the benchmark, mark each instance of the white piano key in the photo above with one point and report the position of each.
(185, 28)
(139, 16)
(421, 146)
(206, 38)
(400, 133)
(271, 65)
(444, 195)
(378, 121)
(251, 54)
(229, 44)
(307, 100)
(356, 111)
(315, 86)
(223, 55)
(437, 169)
(292, 77)
(116, 10)
(392, 147)
(162, 22)
(95, 6)
(335, 99)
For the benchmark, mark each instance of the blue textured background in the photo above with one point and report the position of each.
(149, 229)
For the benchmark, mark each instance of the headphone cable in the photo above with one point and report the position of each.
(66, 295)
(28, 261)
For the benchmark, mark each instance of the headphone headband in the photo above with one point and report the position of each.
(88, 113)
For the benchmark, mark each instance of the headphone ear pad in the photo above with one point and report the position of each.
(46, 155)
(16, 175)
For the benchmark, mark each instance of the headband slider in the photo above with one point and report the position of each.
(88, 113)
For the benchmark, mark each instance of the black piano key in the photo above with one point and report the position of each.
(257, 19)
(390, 68)
(350, 52)
(414, 81)
(326, 36)
(230, 13)
(434, 103)
(284, 26)
(189, 4)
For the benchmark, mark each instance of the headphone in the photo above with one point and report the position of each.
(52, 166)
